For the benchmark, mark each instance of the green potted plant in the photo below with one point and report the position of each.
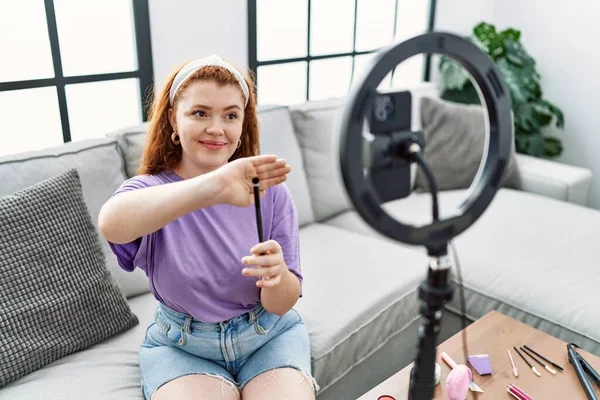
(531, 111)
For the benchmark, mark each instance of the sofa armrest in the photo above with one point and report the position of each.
(555, 180)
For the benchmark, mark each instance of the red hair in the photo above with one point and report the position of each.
(161, 153)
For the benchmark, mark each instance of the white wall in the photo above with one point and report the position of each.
(182, 30)
(561, 37)
(460, 16)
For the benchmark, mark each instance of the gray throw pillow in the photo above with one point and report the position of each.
(131, 144)
(454, 144)
(58, 296)
(317, 125)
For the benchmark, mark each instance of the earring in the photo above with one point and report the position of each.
(239, 143)
(175, 138)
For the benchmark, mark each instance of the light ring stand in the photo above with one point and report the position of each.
(497, 100)
(436, 289)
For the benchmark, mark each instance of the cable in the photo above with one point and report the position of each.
(415, 154)
(418, 157)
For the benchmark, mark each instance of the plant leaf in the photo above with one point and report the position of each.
(468, 95)
(512, 34)
(543, 112)
(536, 144)
(525, 117)
(489, 38)
(513, 81)
(542, 118)
(475, 40)
(516, 54)
(454, 76)
(552, 146)
(522, 83)
(553, 111)
(521, 142)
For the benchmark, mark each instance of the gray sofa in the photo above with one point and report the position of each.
(529, 256)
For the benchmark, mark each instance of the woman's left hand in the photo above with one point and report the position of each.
(268, 256)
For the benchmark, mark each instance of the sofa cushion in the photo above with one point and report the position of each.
(106, 371)
(317, 124)
(369, 289)
(131, 141)
(454, 143)
(101, 171)
(59, 297)
(277, 137)
(527, 256)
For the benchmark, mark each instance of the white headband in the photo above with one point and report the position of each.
(193, 66)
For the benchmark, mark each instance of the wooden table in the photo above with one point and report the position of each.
(493, 334)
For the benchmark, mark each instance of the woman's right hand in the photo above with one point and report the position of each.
(236, 176)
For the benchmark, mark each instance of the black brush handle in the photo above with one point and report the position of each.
(543, 358)
(522, 356)
(259, 224)
(524, 350)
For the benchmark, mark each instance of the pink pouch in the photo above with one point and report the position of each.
(458, 381)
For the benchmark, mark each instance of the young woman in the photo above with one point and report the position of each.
(225, 327)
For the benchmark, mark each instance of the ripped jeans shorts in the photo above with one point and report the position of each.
(237, 350)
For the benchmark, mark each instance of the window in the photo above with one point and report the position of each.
(314, 49)
(71, 70)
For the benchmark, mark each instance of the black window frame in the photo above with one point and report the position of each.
(144, 72)
(254, 63)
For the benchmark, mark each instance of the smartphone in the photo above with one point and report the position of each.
(389, 118)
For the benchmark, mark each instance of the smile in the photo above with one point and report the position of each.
(212, 144)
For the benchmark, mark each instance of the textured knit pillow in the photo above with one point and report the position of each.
(316, 124)
(454, 143)
(57, 294)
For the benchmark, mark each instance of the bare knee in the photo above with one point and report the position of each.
(280, 383)
(197, 387)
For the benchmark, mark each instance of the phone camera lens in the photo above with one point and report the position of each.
(384, 108)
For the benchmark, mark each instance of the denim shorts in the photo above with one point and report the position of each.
(235, 350)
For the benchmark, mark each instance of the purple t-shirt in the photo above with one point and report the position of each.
(194, 263)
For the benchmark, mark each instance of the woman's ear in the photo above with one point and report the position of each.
(172, 119)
